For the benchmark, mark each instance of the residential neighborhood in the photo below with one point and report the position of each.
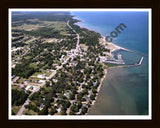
(57, 75)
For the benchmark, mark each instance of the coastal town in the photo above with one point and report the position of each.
(57, 67)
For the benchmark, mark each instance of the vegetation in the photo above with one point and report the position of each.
(75, 82)
(18, 97)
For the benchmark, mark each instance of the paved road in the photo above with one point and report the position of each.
(22, 108)
(53, 73)
(75, 32)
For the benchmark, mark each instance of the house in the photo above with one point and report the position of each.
(54, 64)
(26, 82)
(36, 81)
(55, 104)
(90, 92)
(13, 76)
(84, 104)
(67, 94)
(41, 106)
(41, 76)
(94, 84)
(79, 111)
(59, 110)
(30, 88)
(41, 81)
(54, 80)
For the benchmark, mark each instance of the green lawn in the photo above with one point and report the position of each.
(27, 57)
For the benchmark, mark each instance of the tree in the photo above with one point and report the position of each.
(79, 96)
(72, 97)
(73, 108)
(85, 91)
(44, 111)
(71, 113)
(79, 104)
(92, 97)
(47, 84)
(84, 110)
(53, 111)
(18, 97)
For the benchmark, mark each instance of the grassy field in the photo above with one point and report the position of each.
(27, 57)
(50, 40)
(16, 87)
(15, 109)
(30, 40)
(29, 112)
(56, 25)
(84, 47)
(34, 65)
(27, 27)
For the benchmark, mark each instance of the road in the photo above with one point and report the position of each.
(76, 34)
(22, 108)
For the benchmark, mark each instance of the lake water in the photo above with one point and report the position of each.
(124, 90)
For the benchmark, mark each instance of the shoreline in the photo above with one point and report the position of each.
(116, 47)
(100, 85)
(113, 47)
(98, 89)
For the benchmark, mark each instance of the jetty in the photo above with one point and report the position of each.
(133, 51)
(133, 65)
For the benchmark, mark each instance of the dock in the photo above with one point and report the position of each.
(116, 61)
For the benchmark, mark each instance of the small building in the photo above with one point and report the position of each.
(54, 80)
(59, 110)
(79, 112)
(13, 76)
(41, 81)
(41, 76)
(36, 81)
(54, 64)
(55, 104)
(41, 106)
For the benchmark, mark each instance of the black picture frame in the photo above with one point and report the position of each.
(5, 5)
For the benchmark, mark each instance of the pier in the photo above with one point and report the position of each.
(133, 65)
(133, 51)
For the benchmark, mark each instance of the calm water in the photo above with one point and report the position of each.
(124, 90)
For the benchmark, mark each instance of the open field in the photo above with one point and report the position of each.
(50, 40)
(84, 47)
(27, 27)
(31, 40)
(29, 112)
(15, 109)
(16, 87)
(57, 25)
